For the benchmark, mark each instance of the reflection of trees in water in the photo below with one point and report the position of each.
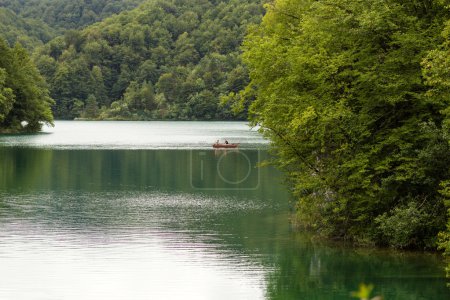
(315, 266)
(103, 194)
(308, 270)
(136, 188)
(99, 170)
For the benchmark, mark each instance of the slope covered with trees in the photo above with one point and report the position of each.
(355, 97)
(33, 23)
(29, 32)
(165, 59)
(68, 14)
(24, 97)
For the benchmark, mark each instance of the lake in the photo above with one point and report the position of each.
(148, 210)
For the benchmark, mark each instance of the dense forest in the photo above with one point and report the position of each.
(68, 14)
(30, 33)
(166, 59)
(355, 98)
(33, 23)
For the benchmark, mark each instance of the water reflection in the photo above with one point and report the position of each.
(124, 224)
(311, 270)
(97, 170)
(164, 224)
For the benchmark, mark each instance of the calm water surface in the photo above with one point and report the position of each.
(147, 210)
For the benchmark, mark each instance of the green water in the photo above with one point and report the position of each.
(88, 220)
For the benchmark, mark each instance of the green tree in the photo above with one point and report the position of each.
(435, 68)
(132, 96)
(147, 71)
(91, 108)
(340, 92)
(6, 96)
(24, 96)
(169, 85)
(202, 105)
(185, 50)
(140, 97)
(98, 86)
(147, 94)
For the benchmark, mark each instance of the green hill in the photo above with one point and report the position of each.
(165, 59)
(27, 31)
(68, 14)
(35, 22)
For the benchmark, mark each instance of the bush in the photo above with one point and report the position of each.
(405, 226)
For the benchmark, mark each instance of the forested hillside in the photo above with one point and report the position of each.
(165, 59)
(33, 23)
(68, 14)
(355, 97)
(29, 32)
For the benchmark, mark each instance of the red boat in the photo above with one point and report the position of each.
(219, 145)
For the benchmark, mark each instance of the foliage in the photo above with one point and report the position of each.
(406, 227)
(165, 59)
(444, 236)
(24, 96)
(6, 96)
(444, 244)
(68, 14)
(35, 22)
(353, 96)
(435, 70)
(27, 31)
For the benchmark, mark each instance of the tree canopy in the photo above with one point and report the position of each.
(354, 96)
(29, 32)
(24, 97)
(68, 14)
(166, 59)
(33, 23)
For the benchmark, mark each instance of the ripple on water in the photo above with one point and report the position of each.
(111, 243)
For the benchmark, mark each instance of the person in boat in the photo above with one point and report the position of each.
(226, 142)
